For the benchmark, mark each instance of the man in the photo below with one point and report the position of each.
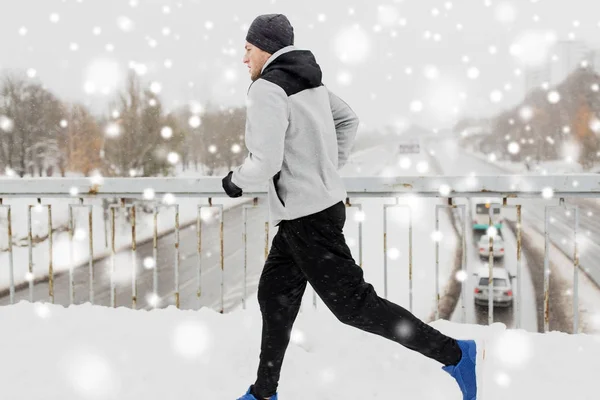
(299, 135)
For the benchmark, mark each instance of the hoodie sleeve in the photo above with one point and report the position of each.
(346, 126)
(267, 120)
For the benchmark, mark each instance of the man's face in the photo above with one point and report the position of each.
(255, 58)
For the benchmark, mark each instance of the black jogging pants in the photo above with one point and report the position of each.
(313, 249)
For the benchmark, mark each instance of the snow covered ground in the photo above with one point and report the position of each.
(92, 353)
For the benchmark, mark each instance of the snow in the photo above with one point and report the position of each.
(171, 353)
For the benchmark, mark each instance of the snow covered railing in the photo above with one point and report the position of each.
(510, 186)
(129, 190)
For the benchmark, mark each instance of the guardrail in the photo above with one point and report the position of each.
(130, 191)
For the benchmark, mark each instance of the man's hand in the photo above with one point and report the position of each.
(231, 188)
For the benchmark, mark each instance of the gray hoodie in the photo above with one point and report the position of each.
(298, 134)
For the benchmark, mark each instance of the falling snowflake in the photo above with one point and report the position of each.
(462, 276)
(73, 191)
(359, 216)
(416, 106)
(149, 263)
(125, 24)
(236, 148)
(547, 193)
(431, 72)
(153, 299)
(6, 124)
(595, 125)
(80, 234)
(140, 69)
(113, 130)
(148, 194)
(166, 132)
(22, 31)
(514, 148)
(155, 87)
(387, 15)
(297, 337)
(502, 379)
(344, 78)
(96, 178)
(553, 97)
(496, 96)
(351, 45)
(54, 18)
(209, 25)
(505, 13)
(173, 157)
(513, 348)
(168, 63)
(526, 113)
(444, 190)
(393, 253)
(437, 236)
(169, 198)
(473, 73)
(195, 121)
(422, 167)
(531, 48)
(31, 73)
(405, 163)
(42, 310)
(191, 339)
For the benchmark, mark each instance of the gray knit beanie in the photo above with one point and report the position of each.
(271, 32)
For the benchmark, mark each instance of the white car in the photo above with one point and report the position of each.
(483, 247)
(503, 293)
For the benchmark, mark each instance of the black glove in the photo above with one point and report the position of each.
(231, 188)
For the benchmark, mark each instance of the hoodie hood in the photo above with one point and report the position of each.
(292, 69)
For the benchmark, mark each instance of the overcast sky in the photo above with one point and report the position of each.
(421, 61)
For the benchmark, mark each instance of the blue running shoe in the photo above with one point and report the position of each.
(464, 371)
(250, 396)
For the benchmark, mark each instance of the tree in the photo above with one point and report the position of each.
(31, 145)
(80, 142)
(134, 144)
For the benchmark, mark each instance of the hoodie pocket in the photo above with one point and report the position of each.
(275, 181)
